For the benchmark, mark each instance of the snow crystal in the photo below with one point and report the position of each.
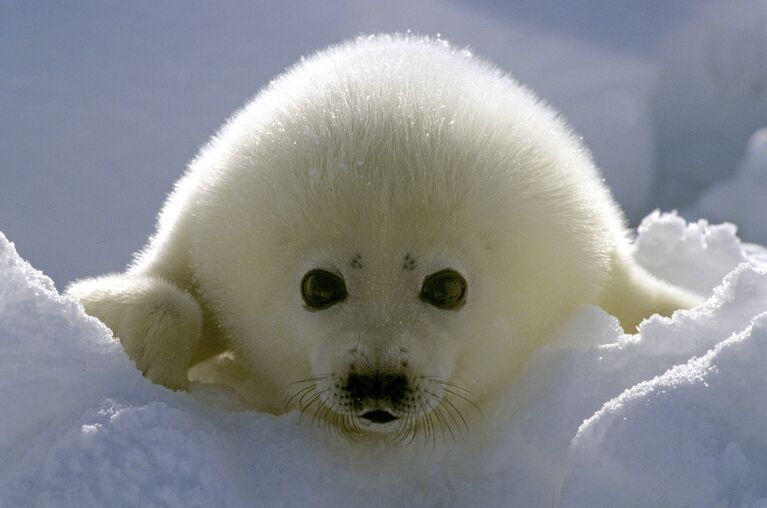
(672, 416)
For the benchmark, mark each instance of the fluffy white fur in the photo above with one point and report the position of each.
(379, 148)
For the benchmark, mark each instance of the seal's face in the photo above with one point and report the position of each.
(386, 332)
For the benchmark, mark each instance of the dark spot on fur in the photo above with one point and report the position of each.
(356, 262)
(409, 262)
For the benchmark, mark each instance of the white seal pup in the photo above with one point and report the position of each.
(381, 236)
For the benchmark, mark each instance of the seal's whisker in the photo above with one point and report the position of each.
(402, 433)
(314, 395)
(337, 424)
(314, 399)
(457, 412)
(432, 429)
(411, 430)
(406, 423)
(302, 390)
(309, 380)
(303, 407)
(354, 424)
(450, 408)
(445, 382)
(346, 425)
(415, 428)
(319, 416)
(339, 419)
(449, 412)
(402, 430)
(329, 421)
(303, 411)
(466, 399)
(427, 424)
(423, 426)
(398, 429)
(452, 430)
(444, 425)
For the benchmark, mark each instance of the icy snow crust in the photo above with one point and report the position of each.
(673, 416)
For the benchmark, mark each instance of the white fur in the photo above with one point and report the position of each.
(381, 147)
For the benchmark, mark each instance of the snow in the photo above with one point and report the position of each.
(708, 413)
(695, 256)
(672, 416)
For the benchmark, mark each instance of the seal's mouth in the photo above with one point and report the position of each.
(378, 416)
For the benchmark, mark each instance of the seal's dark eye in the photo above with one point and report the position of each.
(445, 289)
(321, 289)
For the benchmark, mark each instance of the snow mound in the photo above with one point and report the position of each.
(695, 256)
(672, 416)
(709, 412)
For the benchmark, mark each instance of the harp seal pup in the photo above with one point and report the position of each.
(384, 233)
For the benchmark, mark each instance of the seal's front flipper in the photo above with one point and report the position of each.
(633, 294)
(158, 324)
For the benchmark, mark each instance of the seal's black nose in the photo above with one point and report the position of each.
(380, 387)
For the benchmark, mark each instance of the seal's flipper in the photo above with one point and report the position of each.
(158, 324)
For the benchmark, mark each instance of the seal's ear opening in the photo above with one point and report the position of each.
(445, 289)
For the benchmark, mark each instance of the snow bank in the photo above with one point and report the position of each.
(673, 416)
(693, 436)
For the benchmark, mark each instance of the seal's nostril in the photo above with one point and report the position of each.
(357, 385)
(391, 387)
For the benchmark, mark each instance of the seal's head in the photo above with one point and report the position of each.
(390, 228)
